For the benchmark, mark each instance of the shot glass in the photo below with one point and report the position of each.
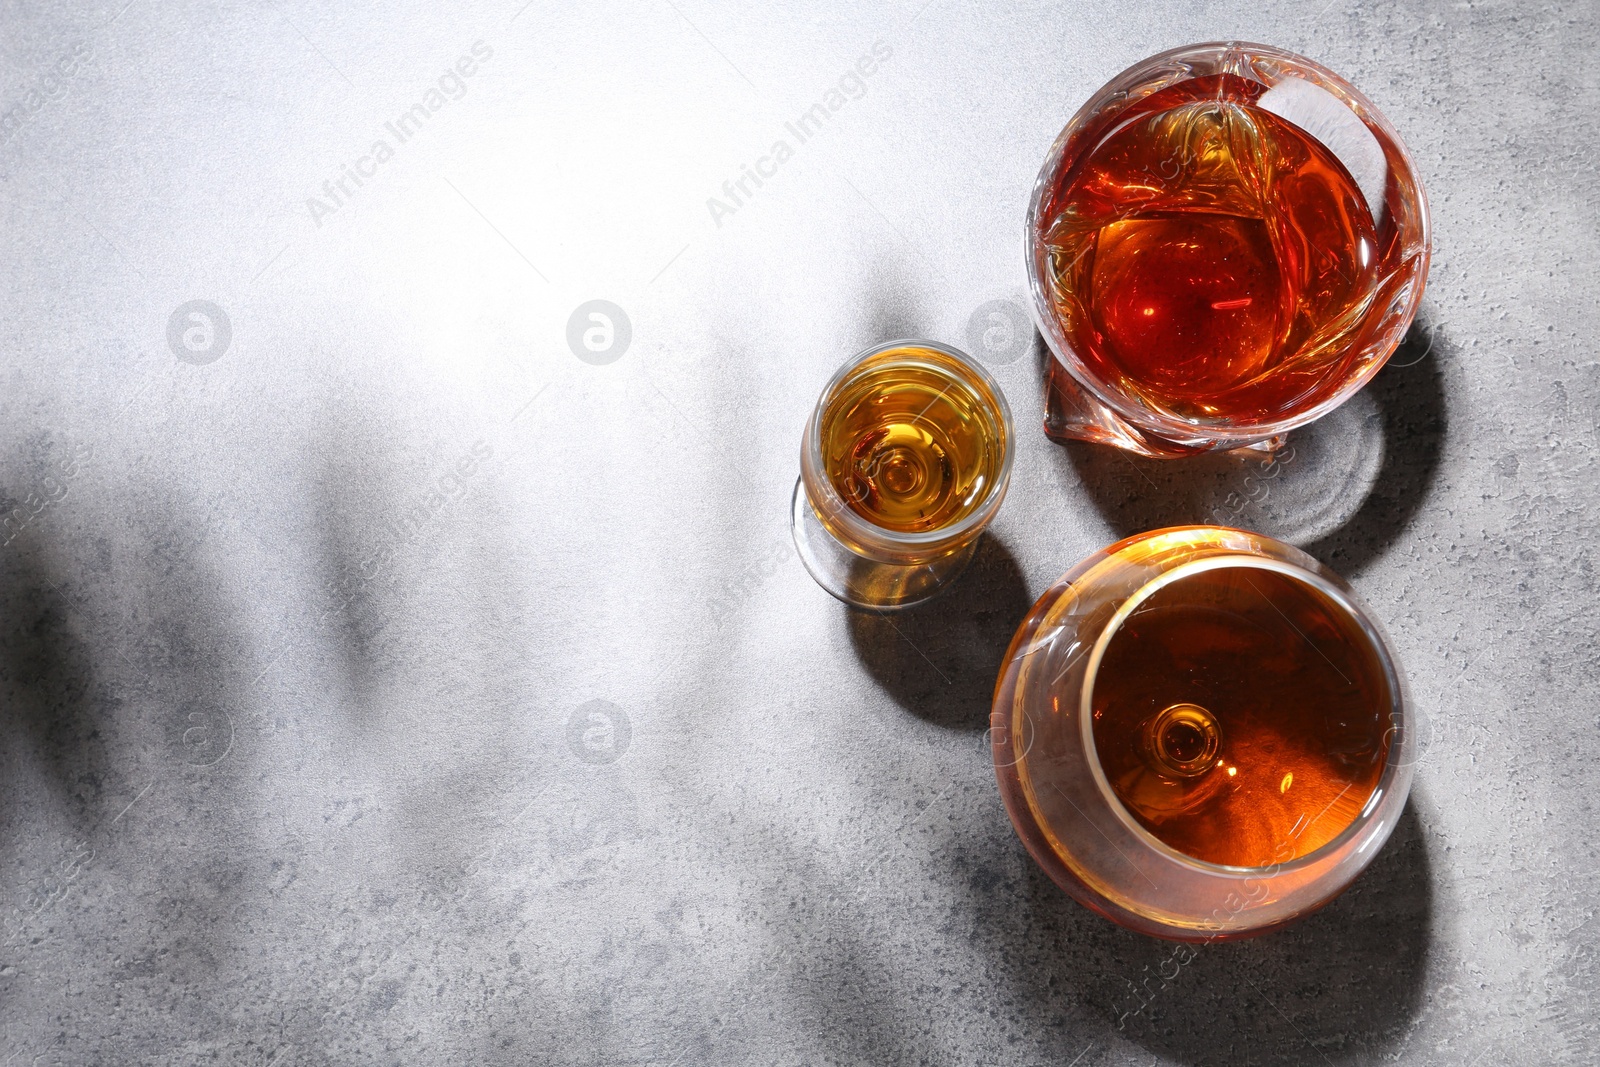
(1202, 734)
(906, 458)
(1224, 243)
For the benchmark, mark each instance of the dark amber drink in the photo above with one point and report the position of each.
(1225, 243)
(1202, 733)
(1241, 716)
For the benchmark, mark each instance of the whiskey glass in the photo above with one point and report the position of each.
(1224, 243)
(906, 458)
(1202, 734)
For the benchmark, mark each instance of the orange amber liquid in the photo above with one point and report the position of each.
(1241, 716)
(1212, 258)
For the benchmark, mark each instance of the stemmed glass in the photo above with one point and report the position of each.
(906, 458)
(1202, 733)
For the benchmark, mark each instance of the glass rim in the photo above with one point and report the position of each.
(1399, 713)
(1178, 430)
(839, 512)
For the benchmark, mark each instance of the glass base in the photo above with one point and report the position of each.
(1071, 413)
(866, 583)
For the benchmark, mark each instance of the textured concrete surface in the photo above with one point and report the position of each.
(385, 684)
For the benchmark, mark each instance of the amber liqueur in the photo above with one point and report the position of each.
(909, 446)
(1214, 260)
(1241, 716)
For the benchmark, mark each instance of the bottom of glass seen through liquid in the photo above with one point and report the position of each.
(1241, 714)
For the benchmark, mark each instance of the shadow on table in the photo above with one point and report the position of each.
(1344, 488)
(1343, 984)
(108, 666)
(939, 660)
(56, 697)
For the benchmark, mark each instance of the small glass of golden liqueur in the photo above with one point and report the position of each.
(1225, 242)
(905, 460)
(1202, 733)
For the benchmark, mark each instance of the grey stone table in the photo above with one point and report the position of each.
(401, 666)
